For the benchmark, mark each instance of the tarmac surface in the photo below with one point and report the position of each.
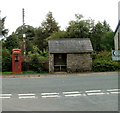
(60, 92)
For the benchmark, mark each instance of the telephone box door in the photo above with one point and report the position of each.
(16, 61)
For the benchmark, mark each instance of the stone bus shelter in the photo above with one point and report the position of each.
(70, 55)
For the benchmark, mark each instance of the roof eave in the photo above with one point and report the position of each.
(70, 52)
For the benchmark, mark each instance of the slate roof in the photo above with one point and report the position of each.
(70, 45)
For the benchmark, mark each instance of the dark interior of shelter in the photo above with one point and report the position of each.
(60, 62)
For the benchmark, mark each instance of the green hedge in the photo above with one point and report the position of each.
(36, 63)
(6, 60)
(102, 61)
(103, 65)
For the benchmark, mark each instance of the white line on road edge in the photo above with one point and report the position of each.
(75, 95)
(26, 94)
(107, 93)
(23, 97)
(71, 92)
(113, 89)
(114, 92)
(96, 93)
(4, 97)
(50, 96)
(90, 91)
(5, 94)
(49, 93)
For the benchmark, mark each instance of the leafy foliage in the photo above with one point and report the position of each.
(27, 30)
(36, 42)
(6, 60)
(11, 42)
(102, 37)
(2, 28)
(50, 25)
(102, 61)
(58, 34)
(79, 28)
(36, 62)
(107, 41)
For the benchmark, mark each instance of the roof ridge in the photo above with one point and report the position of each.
(70, 45)
(70, 39)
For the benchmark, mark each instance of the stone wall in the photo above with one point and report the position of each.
(51, 63)
(79, 62)
(75, 62)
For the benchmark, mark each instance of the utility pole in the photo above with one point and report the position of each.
(23, 16)
(24, 36)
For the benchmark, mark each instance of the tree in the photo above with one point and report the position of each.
(58, 34)
(106, 26)
(40, 37)
(27, 30)
(47, 28)
(102, 37)
(97, 33)
(11, 42)
(107, 41)
(3, 30)
(80, 28)
(50, 25)
(6, 60)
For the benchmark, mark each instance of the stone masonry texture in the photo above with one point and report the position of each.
(79, 62)
(51, 63)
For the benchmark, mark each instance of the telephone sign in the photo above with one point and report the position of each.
(116, 55)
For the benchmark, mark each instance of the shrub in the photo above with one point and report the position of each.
(6, 60)
(36, 62)
(102, 61)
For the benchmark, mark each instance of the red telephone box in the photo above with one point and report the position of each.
(16, 61)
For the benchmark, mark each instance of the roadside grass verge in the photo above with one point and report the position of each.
(23, 72)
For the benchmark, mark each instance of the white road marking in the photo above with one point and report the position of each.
(90, 91)
(50, 96)
(95, 93)
(65, 93)
(73, 92)
(5, 94)
(26, 94)
(114, 92)
(113, 89)
(107, 93)
(49, 93)
(23, 97)
(5, 97)
(75, 95)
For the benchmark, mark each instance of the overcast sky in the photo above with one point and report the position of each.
(63, 11)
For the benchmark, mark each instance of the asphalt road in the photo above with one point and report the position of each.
(90, 92)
